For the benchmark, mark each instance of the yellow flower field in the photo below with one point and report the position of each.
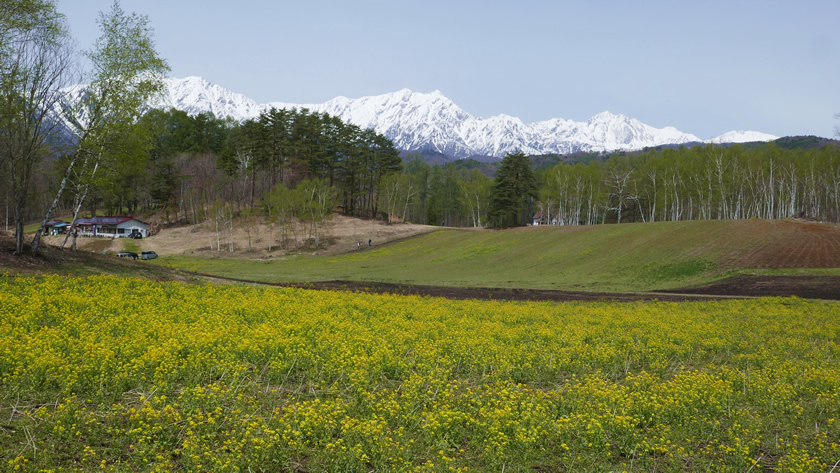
(109, 374)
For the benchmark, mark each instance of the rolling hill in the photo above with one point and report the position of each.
(628, 257)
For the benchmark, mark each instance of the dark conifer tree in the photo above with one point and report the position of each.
(514, 191)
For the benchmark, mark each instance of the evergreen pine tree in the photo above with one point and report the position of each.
(514, 189)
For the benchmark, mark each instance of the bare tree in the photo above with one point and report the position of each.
(35, 57)
(617, 181)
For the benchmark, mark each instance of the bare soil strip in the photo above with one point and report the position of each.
(794, 244)
(739, 287)
(809, 287)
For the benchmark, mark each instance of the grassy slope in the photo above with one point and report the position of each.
(632, 257)
(52, 260)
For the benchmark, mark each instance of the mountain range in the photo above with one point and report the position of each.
(431, 122)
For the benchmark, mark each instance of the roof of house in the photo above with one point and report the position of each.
(105, 220)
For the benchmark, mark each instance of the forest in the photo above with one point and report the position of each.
(297, 165)
(192, 162)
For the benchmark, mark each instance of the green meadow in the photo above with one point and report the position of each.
(630, 257)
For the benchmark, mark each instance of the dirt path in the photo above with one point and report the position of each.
(794, 244)
(341, 235)
(816, 287)
(740, 287)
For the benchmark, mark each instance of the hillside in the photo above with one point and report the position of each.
(341, 235)
(629, 257)
(766, 257)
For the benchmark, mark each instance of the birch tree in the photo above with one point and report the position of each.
(392, 190)
(474, 192)
(618, 180)
(317, 200)
(126, 73)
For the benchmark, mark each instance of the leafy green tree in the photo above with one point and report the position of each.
(180, 144)
(123, 181)
(282, 207)
(164, 178)
(318, 201)
(383, 159)
(395, 193)
(444, 190)
(34, 59)
(474, 194)
(19, 19)
(127, 72)
(419, 176)
(271, 142)
(514, 190)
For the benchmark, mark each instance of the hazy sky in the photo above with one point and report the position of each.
(704, 67)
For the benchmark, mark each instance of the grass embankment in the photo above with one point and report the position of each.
(52, 260)
(631, 257)
(115, 374)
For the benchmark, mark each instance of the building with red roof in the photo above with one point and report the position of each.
(113, 227)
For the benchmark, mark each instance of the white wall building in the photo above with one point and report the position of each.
(112, 227)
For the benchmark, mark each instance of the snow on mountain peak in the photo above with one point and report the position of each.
(742, 137)
(421, 121)
(196, 95)
(606, 116)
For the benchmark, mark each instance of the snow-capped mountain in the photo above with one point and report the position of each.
(742, 137)
(430, 121)
(195, 95)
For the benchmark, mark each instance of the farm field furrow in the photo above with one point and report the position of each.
(622, 258)
(116, 374)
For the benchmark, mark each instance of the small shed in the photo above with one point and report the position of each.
(540, 218)
(543, 218)
(54, 227)
(113, 227)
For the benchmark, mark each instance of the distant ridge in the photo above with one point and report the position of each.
(805, 142)
(742, 137)
(431, 122)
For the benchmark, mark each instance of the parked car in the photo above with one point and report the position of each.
(136, 235)
(148, 255)
(127, 254)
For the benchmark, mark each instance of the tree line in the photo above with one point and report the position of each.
(98, 149)
(765, 181)
(697, 183)
(287, 168)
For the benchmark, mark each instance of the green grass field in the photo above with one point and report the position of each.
(631, 257)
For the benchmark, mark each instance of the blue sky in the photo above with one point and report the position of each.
(703, 67)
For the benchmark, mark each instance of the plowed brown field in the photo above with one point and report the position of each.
(786, 244)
